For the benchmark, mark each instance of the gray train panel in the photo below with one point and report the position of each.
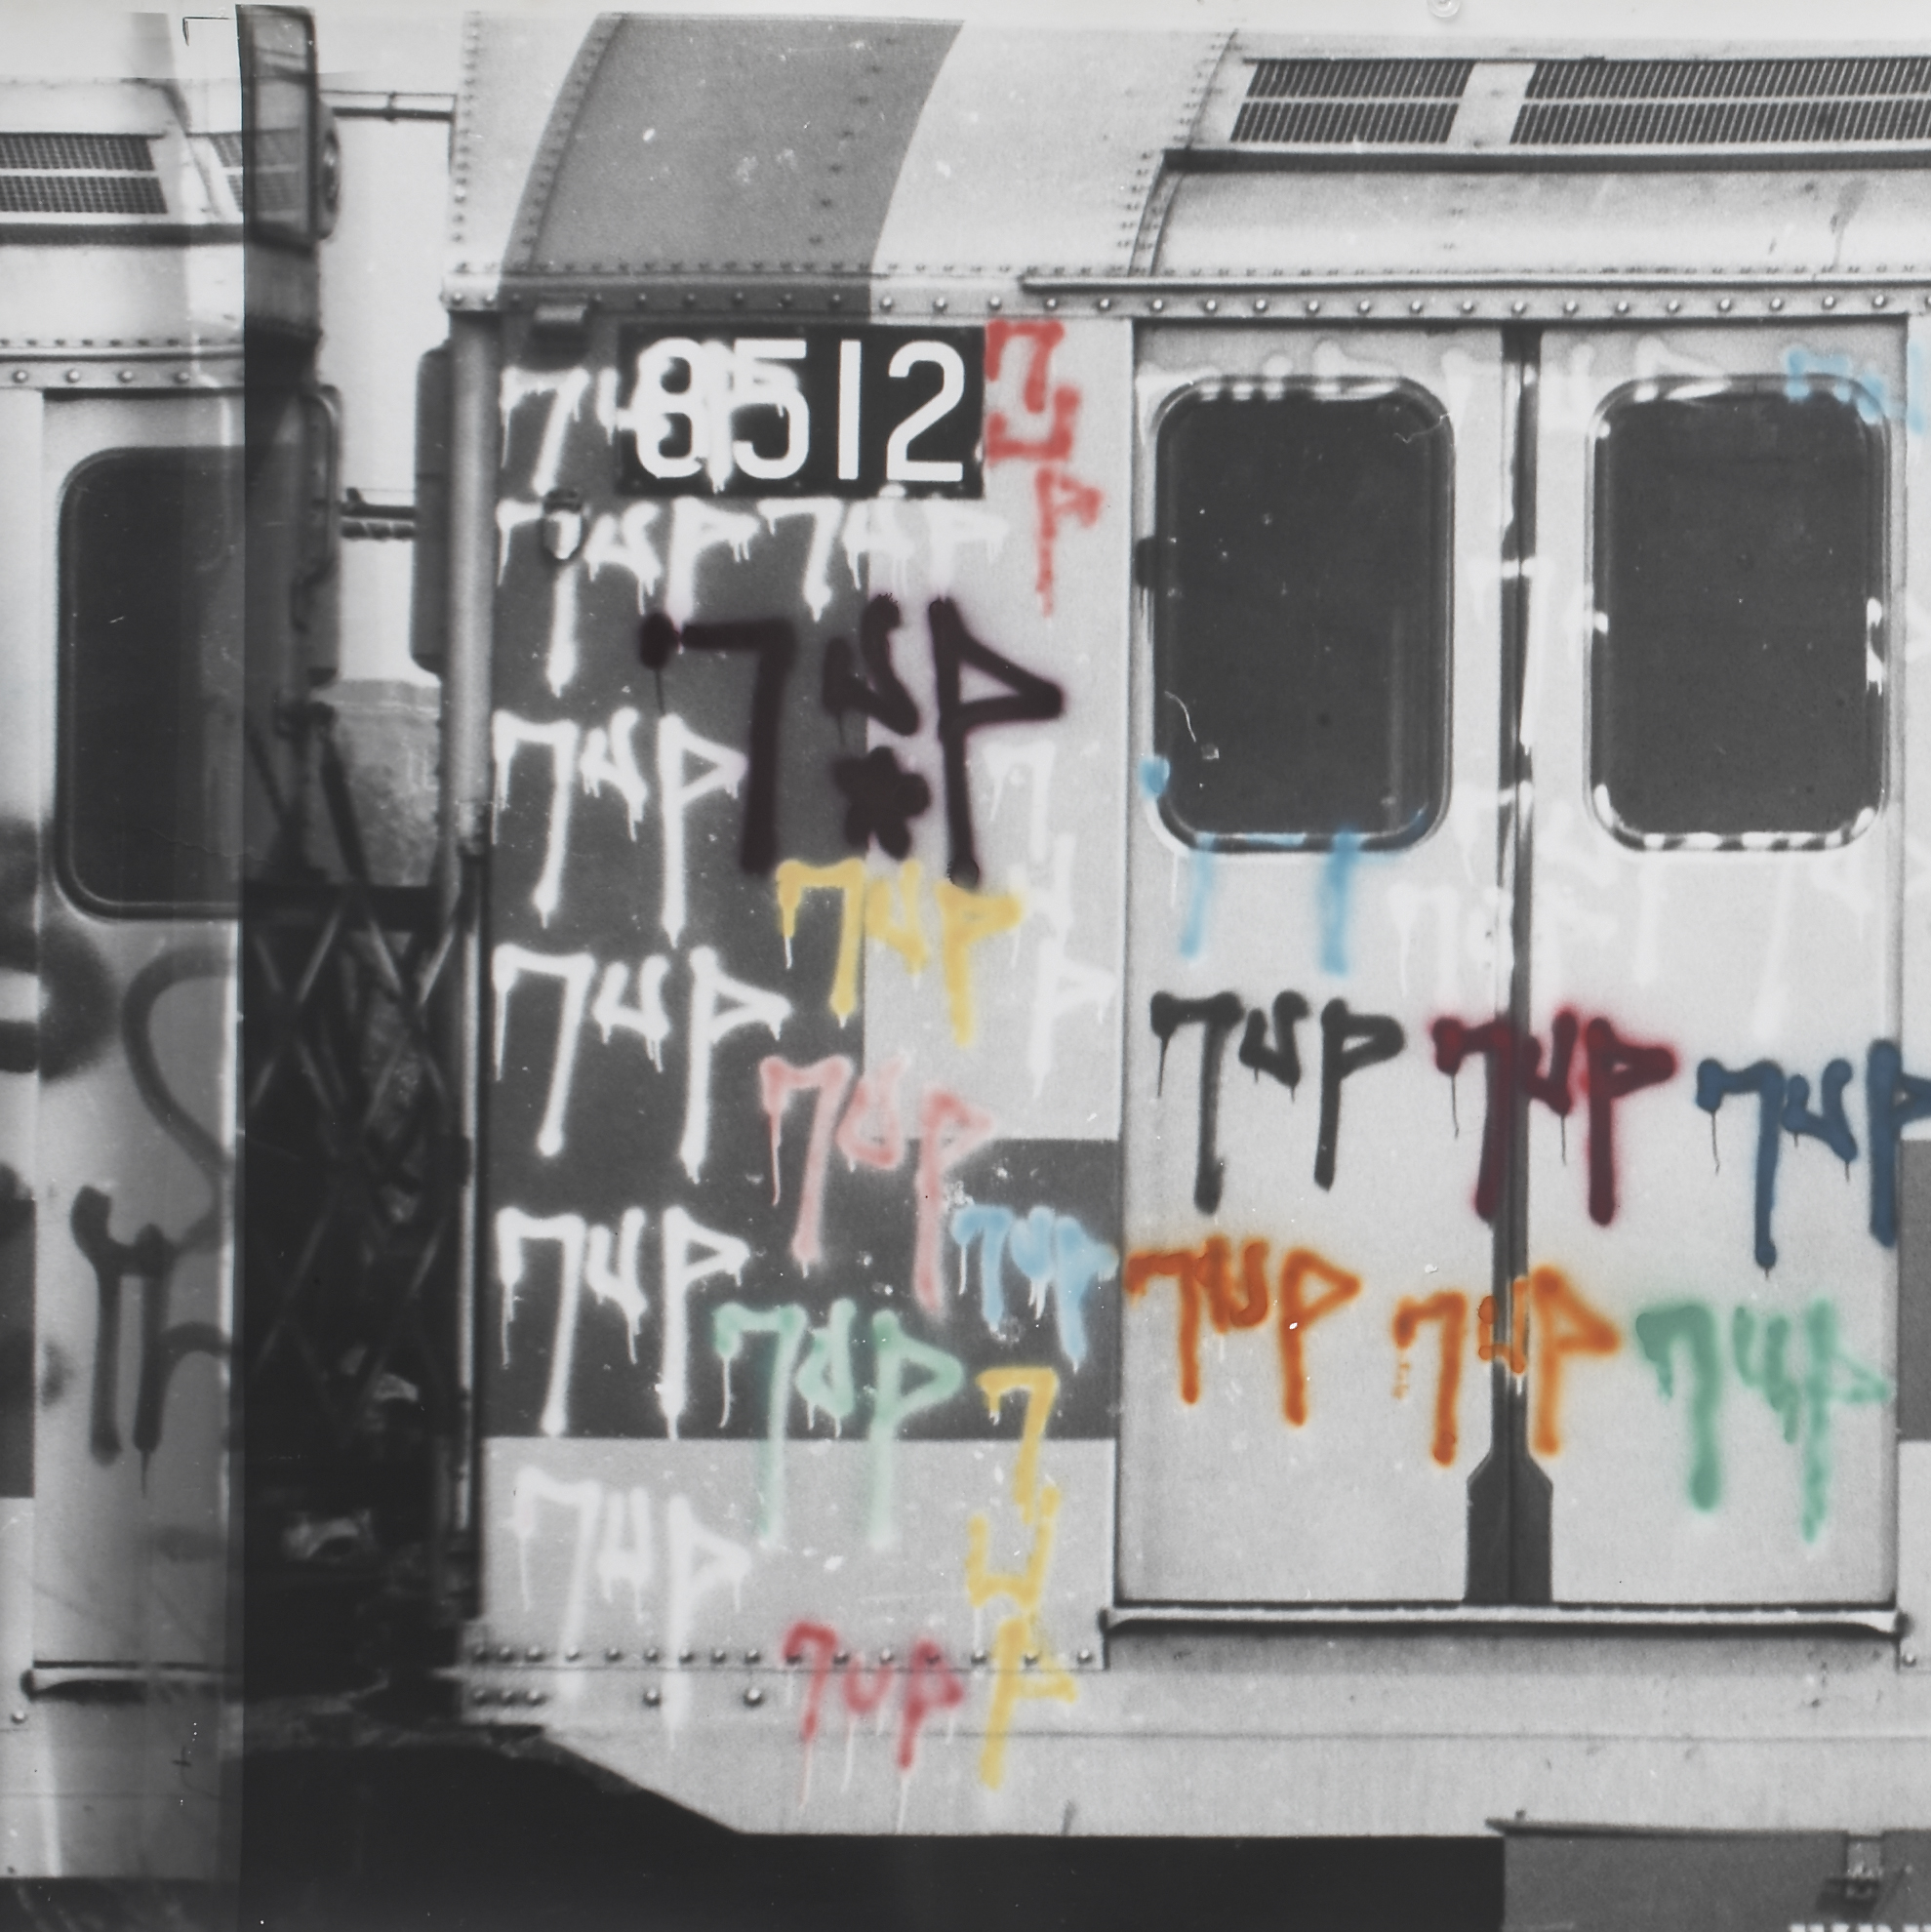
(1112, 955)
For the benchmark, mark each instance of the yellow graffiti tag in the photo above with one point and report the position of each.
(1024, 1587)
(1041, 1388)
(1012, 1681)
(905, 931)
(794, 879)
(1017, 1638)
(965, 919)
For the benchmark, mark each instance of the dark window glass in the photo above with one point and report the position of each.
(151, 668)
(277, 121)
(1738, 585)
(1301, 581)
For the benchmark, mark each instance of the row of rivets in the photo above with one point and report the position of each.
(182, 376)
(1156, 305)
(481, 1653)
(1416, 306)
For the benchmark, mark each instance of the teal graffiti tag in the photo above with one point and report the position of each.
(825, 1380)
(1833, 1377)
(1658, 1332)
(1760, 1351)
(1767, 1373)
(730, 1324)
(894, 1405)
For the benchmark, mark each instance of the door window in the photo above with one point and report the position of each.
(1736, 680)
(1301, 632)
(151, 674)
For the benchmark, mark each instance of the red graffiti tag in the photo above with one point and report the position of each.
(931, 1684)
(1059, 495)
(1617, 1069)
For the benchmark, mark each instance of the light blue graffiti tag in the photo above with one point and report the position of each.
(988, 1225)
(1336, 898)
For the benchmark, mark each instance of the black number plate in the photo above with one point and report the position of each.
(802, 413)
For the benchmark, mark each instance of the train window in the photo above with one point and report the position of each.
(1300, 584)
(278, 114)
(150, 681)
(1736, 685)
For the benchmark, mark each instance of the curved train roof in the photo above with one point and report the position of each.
(719, 164)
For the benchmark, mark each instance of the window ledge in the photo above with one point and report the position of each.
(1880, 1621)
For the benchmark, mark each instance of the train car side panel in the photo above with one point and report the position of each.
(804, 1131)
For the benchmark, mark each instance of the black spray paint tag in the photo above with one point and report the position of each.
(802, 411)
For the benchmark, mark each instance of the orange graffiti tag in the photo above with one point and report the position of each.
(1562, 1324)
(1297, 1316)
(1202, 1278)
(1180, 1265)
(1450, 1309)
(1515, 1351)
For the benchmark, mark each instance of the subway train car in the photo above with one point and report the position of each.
(138, 251)
(1200, 1037)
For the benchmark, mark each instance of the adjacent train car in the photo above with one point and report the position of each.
(139, 250)
(1199, 1041)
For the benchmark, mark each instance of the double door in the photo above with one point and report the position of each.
(1514, 967)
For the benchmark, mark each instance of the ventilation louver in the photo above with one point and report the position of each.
(227, 150)
(78, 174)
(1349, 104)
(1726, 103)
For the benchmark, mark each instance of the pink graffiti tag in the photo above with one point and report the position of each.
(778, 1080)
(948, 1130)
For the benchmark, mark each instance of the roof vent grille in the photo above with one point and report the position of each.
(1340, 103)
(228, 151)
(88, 153)
(81, 194)
(78, 174)
(1726, 103)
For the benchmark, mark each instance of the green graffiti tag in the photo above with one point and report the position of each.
(1761, 1355)
(1690, 1323)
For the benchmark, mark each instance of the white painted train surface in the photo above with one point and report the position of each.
(1205, 1007)
(122, 451)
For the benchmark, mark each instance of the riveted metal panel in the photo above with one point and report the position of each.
(1014, 165)
(722, 146)
(1411, 228)
(512, 69)
(802, 1172)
